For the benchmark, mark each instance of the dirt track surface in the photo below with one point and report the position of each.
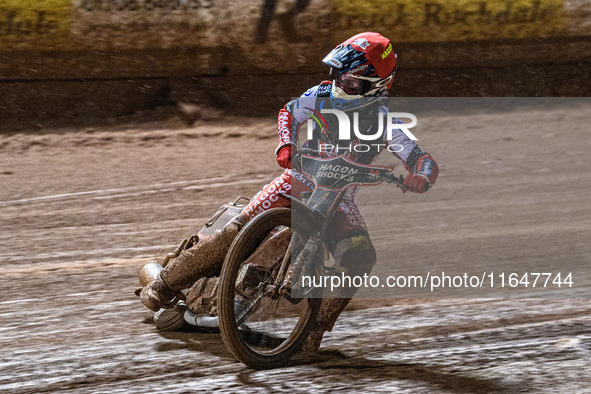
(82, 210)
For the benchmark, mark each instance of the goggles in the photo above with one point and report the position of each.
(350, 84)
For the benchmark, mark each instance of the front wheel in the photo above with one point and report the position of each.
(261, 327)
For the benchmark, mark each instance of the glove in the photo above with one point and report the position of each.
(416, 183)
(284, 157)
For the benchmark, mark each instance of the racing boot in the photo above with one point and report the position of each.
(157, 294)
(354, 256)
(203, 259)
(330, 310)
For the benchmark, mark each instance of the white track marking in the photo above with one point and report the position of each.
(90, 253)
(137, 190)
(87, 265)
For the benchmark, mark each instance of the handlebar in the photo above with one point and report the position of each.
(399, 181)
(389, 178)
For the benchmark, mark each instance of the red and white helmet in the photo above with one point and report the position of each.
(362, 66)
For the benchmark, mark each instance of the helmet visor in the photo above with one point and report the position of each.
(350, 84)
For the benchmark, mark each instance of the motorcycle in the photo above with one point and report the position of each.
(261, 302)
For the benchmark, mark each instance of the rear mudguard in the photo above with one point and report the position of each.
(221, 218)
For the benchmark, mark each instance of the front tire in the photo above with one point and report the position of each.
(256, 344)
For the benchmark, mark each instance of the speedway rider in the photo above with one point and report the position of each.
(363, 68)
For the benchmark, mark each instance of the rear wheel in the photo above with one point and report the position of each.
(263, 328)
